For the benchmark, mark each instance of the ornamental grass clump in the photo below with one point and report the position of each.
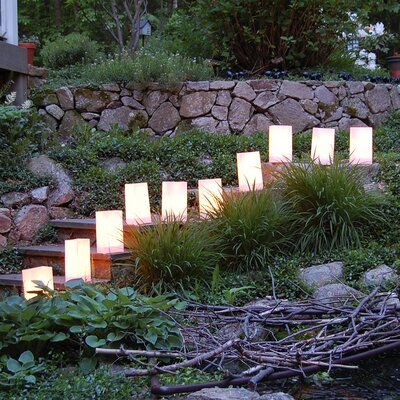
(332, 209)
(170, 253)
(251, 227)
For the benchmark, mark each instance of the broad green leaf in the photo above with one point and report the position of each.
(26, 356)
(94, 341)
(13, 365)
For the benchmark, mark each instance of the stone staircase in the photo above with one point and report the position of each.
(53, 254)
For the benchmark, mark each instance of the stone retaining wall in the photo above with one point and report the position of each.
(222, 106)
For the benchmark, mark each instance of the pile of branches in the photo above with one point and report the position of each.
(273, 339)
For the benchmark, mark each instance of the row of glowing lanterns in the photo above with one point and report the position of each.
(109, 224)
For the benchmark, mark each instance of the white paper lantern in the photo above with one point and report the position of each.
(32, 275)
(210, 195)
(174, 200)
(77, 260)
(280, 143)
(109, 232)
(137, 204)
(323, 145)
(361, 145)
(249, 171)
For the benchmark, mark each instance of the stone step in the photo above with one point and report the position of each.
(15, 280)
(53, 256)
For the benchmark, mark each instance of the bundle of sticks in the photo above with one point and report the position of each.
(273, 339)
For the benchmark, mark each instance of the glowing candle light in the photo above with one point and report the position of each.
(323, 145)
(32, 275)
(109, 232)
(210, 195)
(137, 204)
(280, 143)
(77, 260)
(361, 147)
(174, 200)
(249, 171)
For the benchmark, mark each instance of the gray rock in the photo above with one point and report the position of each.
(153, 100)
(89, 116)
(265, 100)
(148, 132)
(355, 87)
(260, 85)
(378, 99)
(6, 212)
(276, 396)
(257, 123)
(224, 98)
(310, 106)
(50, 121)
(124, 117)
(44, 166)
(336, 115)
(125, 92)
(290, 112)
(70, 122)
(320, 275)
(5, 223)
(244, 91)
(325, 97)
(110, 87)
(379, 275)
(93, 100)
(224, 394)
(65, 98)
(138, 95)
(355, 107)
(197, 104)
(40, 195)
(93, 123)
(378, 119)
(60, 212)
(296, 90)
(395, 97)
(220, 112)
(113, 164)
(29, 220)
(3, 242)
(55, 111)
(197, 86)
(239, 113)
(223, 127)
(15, 199)
(131, 102)
(175, 100)
(38, 72)
(207, 124)
(221, 85)
(114, 104)
(49, 98)
(166, 117)
(336, 292)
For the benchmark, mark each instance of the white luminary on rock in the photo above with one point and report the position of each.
(77, 260)
(31, 276)
(280, 143)
(210, 195)
(361, 145)
(137, 204)
(249, 171)
(109, 232)
(323, 145)
(174, 200)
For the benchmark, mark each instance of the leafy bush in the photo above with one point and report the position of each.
(256, 34)
(251, 227)
(172, 252)
(85, 316)
(75, 48)
(331, 207)
(10, 261)
(387, 136)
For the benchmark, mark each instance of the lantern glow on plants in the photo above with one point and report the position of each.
(249, 171)
(361, 147)
(30, 278)
(137, 204)
(210, 195)
(77, 260)
(323, 145)
(280, 143)
(174, 200)
(109, 232)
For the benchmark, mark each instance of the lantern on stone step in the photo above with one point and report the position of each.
(249, 171)
(174, 200)
(323, 145)
(361, 145)
(109, 232)
(77, 260)
(31, 277)
(280, 143)
(210, 195)
(137, 204)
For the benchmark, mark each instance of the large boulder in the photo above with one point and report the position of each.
(39, 195)
(355, 107)
(239, 113)
(197, 104)
(55, 111)
(166, 117)
(379, 276)
(44, 166)
(336, 293)
(153, 100)
(257, 123)
(320, 275)
(296, 90)
(224, 98)
(93, 100)
(207, 124)
(124, 117)
(290, 112)
(235, 394)
(5, 223)
(29, 220)
(222, 85)
(113, 164)
(244, 91)
(65, 98)
(14, 199)
(265, 100)
(70, 121)
(378, 99)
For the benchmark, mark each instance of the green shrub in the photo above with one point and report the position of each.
(75, 48)
(331, 207)
(10, 261)
(172, 252)
(251, 227)
(387, 136)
